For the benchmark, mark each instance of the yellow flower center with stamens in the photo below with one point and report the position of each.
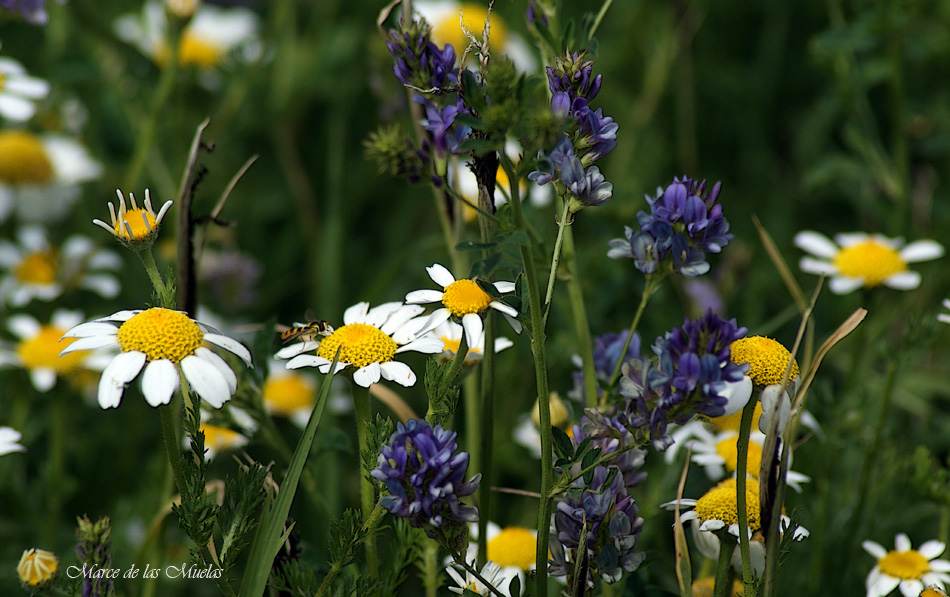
(136, 219)
(721, 503)
(39, 267)
(42, 351)
(728, 450)
(448, 31)
(192, 51)
(871, 260)
(465, 296)
(905, 565)
(37, 566)
(221, 438)
(705, 587)
(731, 422)
(361, 344)
(161, 334)
(287, 393)
(23, 159)
(767, 359)
(513, 546)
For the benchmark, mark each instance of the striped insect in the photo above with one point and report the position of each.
(307, 331)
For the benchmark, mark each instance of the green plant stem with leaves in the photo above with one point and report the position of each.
(650, 286)
(742, 458)
(581, 324)
(563, 223)
(363, 409)
(724, 573)
(375, 517)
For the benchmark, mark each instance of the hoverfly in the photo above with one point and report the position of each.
(306, 332)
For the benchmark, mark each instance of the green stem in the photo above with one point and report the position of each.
(363, 408)
(468, 568)
(562, 225)
(649, 287)
(724, 574)
(470, 396)
(151, 268)
(455, 365)
(600, 17)
(172, 440)
(742, 446)
(487, 431)
(368, 527)
(430, 577)
(581, 324)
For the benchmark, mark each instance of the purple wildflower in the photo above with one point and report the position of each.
(572, 75)
(552, 165)
(425, 476)
(34, 11)
(610, 435)
(419, 62)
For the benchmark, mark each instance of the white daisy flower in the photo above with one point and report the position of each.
(160, 344)
(40, 174)
(8, 441)
(513, 549)
(857, 259)
(36, 270)
(448, 17)
(906, 568)
(289, 393)
(211, 36)
(38, 350)
(220, 438)
(491, 572)
(136, 225)
(945, 317)
(369, 341)
(450, 333)
(463, 299)
(18, 91)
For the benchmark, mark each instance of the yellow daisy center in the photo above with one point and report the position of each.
(136, 220)
(871, 260)
(221, 438)
(731, 422)
(361, 344)
(23, 159)
(728, 450)
(465, 296)
(932, 592)
(192, 51)
(39, 267)
(766, 357)
(287, 393)
(161, 334)
(448, 31)
(42, 351)
(513, 546)
(705, 587)
(37, 566)
(905, 565)
(721, 503)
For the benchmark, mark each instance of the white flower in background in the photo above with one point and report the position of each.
(527, 432)
(368, 341)
(225, 435)
(945, 317)
(450, 333)
(857, 259)
(39, 347)
(491, 572)
(289, 393)
(158, 343)
(447, 17)
(213, 35)
(8, 441)
(465, 300)
(40, 174)
(33, 269)
(19, 91)
(906, 568)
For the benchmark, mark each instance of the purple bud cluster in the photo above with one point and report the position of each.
(684, 223)
(425, 476)
(419, 62)
(445, 134)
(693, 369)
(612, 437)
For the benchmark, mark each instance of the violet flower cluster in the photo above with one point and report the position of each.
(613, 528)
(419, 62)
(610, 435)
(34, 11)
(693, 369)
(425, 476)
(606, 353)
(590, 136)
(684, 223)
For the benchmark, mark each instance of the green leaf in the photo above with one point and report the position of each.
(563, 446)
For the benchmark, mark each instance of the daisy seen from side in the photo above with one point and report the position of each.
(162, 345)
(465, 300)
(860, 260)
(767, 360)
(905, 568)
(134, 226)
(37, 567)
(368, 341)
(19, 91)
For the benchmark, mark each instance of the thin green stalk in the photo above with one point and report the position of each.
(151, 268)
(468, 568)
(562, 225)
(455, 365)
(724, 574)
(172, 440)
(581, 324)
(600, 17)
(430, 567)
(363, 408)
(471, 398)
(742, 446)
(487, 433)
(649, 287)
(541, 376)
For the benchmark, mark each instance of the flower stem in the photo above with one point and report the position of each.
(161, 289)
(581, 324)
(468, 568)
(562, 225)
(742, 457)
(724, 574)
(649, 287)
(172, 440)
(430, 569)
(487, 432)
(455, 365)
(363, 408)
(600, 17)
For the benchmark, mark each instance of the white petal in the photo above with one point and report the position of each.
(843, 285)
(515, 324)
(367, 376)
(293, 350)
(159, 382)
(932, 549)
(305, 360)
(398, 372)
(775, 402)
(120, 371)
(16, 108)
(356, 313)
(104, 260)
(424, 296)
(436, 318)
(440, 275)
(816, 244)
(737, 394)
(104, 285)
(121, 316)
(903, 281)
(848, 239)
(504, 287)
(23, 326)
(378, 315)
(875, 549)
(66, 318)
(399, 318)
(472, 324)
(206, 381)
(503, 343)
(91, 343)
(222, 366)
(921, 250)
(902, 542)
(231, 345)
(911, 588)
(817, 266)
(43, 378)
(33, 238)
(506, 309)
(426, 345)
(29, 87)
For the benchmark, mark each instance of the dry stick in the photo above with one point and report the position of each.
(187, 288)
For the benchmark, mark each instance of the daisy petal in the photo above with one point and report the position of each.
(91, 343)
(378, 315)
(398, 372)
(817, 266)
(903, 281)
(356, 313)
(472, 324)
(817, 244)
(305, 360)
(159, 382)
(231, 345)
(426, 345)
(440, 275)
(120, 371)
(875, 549)
(398, 319)
(206, 381)
(221, 365)
(932, 549)
(504, 287)
(367, 376)
(435, 318)
(921, 250)
(843, 285)
(43, 378)
(424, 296)
(902, 542)
(504, 308)
(23, 326)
